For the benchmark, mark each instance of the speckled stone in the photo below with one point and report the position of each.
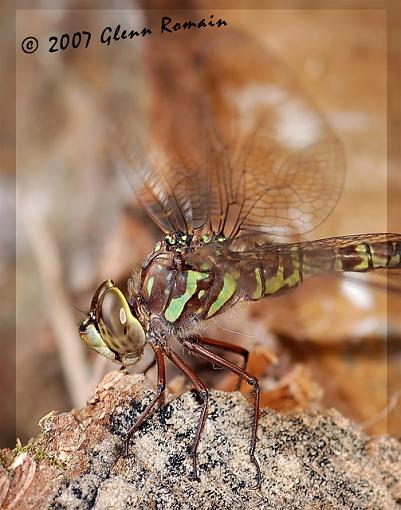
(309, 461)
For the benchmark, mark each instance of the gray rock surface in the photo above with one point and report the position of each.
(309, 461)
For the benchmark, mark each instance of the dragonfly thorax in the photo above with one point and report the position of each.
(174, 293)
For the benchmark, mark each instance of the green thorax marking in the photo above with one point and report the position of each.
(228, 289)
(176, 306)
(149, 285)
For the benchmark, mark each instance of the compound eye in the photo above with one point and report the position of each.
(120, 329)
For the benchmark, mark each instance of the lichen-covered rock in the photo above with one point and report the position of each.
(308, 461)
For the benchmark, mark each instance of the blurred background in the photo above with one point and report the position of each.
(332, 342)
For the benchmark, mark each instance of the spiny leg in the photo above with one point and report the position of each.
(161, 386)
(250, 379)
(229, 347)
(204, 395)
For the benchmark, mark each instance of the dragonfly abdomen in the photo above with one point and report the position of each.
(357, 257)
(285, 268)
(275, 273)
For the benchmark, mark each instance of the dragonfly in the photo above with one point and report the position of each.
(239, 164)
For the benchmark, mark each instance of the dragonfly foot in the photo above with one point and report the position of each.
(126, 447)
(194, 476)
(258, 484)
(194, 473)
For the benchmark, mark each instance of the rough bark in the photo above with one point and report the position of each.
(316, 460)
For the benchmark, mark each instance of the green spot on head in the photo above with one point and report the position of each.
(157, 246)
(201, 293)
(169, 239)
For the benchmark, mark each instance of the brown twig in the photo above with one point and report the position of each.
(58, 307)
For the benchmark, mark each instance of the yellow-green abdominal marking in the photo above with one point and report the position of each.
(338, 264)
(176, 306)
(395, 260)
(277, 282)
(259, 289)
(362, 250)
(378, 260)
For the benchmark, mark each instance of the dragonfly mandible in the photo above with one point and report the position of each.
(238, 156)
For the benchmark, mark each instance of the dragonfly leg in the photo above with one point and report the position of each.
(229, 347)
(250, 379)
(203, 394)
(161, 386)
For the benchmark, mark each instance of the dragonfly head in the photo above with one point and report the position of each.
(110, 327)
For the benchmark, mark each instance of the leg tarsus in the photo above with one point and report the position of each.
(255, 461)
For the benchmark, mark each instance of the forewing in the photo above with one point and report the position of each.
(282, 167)
(170, 162)
(232, 143)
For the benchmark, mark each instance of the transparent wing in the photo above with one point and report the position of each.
(380, 279)
(232, 143)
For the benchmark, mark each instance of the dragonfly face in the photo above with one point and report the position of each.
(110, 327)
